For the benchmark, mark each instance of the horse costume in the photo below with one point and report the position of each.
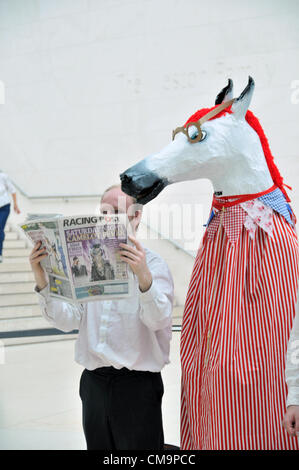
(242, 295)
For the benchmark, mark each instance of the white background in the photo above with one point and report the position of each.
(93, 86)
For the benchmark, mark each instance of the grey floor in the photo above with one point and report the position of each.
(39, 403)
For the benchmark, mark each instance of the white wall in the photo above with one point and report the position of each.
(92, 86)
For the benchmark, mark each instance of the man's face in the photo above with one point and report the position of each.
(115, 201)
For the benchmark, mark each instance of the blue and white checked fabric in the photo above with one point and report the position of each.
(276, 200)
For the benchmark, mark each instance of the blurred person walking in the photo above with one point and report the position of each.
(6, 189)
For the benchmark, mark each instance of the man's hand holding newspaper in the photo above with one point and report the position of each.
(135, 257)
(37, 254)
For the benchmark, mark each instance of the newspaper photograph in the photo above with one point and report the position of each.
(83, 262)
(60, 287)
(48, 233)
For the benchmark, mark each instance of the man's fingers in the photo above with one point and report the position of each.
(136, 242)
(290, 429)
(36, 247)
(37, 256)
(129, 255)
(37, 253)
(38, 259)
(128, 261)
(289, 424)
(126, 247)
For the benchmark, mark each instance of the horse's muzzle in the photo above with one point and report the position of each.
(140, 184)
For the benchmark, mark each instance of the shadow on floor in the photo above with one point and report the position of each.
(170, 447)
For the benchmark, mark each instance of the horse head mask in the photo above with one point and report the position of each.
(225, 144)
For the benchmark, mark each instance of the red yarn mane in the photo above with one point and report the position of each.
(255, 124)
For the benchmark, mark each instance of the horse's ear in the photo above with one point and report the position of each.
(226, 93)
(241, 104)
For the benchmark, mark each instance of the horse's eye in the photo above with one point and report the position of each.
(192, 132)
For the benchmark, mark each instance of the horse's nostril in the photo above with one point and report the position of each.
(125, 178)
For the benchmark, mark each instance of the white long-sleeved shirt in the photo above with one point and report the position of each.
(134, 332)
(6, 188)
(292, 363)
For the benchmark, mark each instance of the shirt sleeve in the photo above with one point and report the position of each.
(157, 301)
(292, 363)
(62, 315)
(8, 184)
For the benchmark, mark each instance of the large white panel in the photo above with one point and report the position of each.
(93, 86)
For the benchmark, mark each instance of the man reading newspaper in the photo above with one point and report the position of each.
(122, 344)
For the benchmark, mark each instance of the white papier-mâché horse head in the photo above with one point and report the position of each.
(224, 144)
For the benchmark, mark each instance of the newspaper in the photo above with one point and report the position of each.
(83, 262)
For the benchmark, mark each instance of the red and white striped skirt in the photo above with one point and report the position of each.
(237, 320)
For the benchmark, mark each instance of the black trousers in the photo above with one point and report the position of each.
(122, 409)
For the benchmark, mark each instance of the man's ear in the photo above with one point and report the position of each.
(136, 217)
(138, 214)
(134, 209)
